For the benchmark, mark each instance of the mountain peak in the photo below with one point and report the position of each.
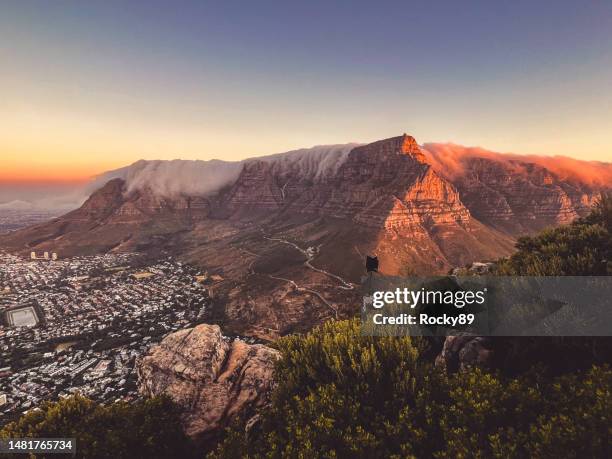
(409, 144)
(106, 199)
(394, 146)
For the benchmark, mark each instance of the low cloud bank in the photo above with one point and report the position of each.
(41, 197)
(196, 177)
(176, 177)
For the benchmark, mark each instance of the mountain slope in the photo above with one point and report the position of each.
(520, 194)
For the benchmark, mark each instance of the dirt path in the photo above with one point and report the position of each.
(345, 285)
(331, 306)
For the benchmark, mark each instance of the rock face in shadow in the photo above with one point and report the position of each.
(462, 352)
(519, 197)
(212, 378)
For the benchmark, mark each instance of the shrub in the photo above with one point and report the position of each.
(144, 429)
(582, 248)
(345, 395)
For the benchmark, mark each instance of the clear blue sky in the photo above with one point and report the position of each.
(97, 84)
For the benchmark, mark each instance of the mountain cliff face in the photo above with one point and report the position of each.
(519, 197)
(289, 232)
(386, 184)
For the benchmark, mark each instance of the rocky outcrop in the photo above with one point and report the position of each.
(462, 352)
(212, 378)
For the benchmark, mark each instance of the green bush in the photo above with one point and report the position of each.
(344, 395)
(582, 248)
(144, 429)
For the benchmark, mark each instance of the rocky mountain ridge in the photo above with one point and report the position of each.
(521, 197)
(388, 183)
(384, 184)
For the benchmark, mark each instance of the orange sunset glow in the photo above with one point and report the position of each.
(49, 173)
(78, 100)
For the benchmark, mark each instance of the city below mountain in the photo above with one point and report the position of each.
(288, 233)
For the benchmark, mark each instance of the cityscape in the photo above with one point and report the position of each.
(79, 325)
(14, 219)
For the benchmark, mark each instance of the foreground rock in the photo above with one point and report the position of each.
(210, 377)
(462, 352)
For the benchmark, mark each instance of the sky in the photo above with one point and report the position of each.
(91, 86)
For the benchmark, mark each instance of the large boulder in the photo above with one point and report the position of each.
(212, 378)
(465, 351)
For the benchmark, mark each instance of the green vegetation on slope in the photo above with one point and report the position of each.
(145, 429)
(345, 395)
(583, 248)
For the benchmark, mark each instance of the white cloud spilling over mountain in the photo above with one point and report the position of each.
(176, 177)
(196, 177)
(312, 163)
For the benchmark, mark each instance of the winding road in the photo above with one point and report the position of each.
(345, 285)
(309, 256)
